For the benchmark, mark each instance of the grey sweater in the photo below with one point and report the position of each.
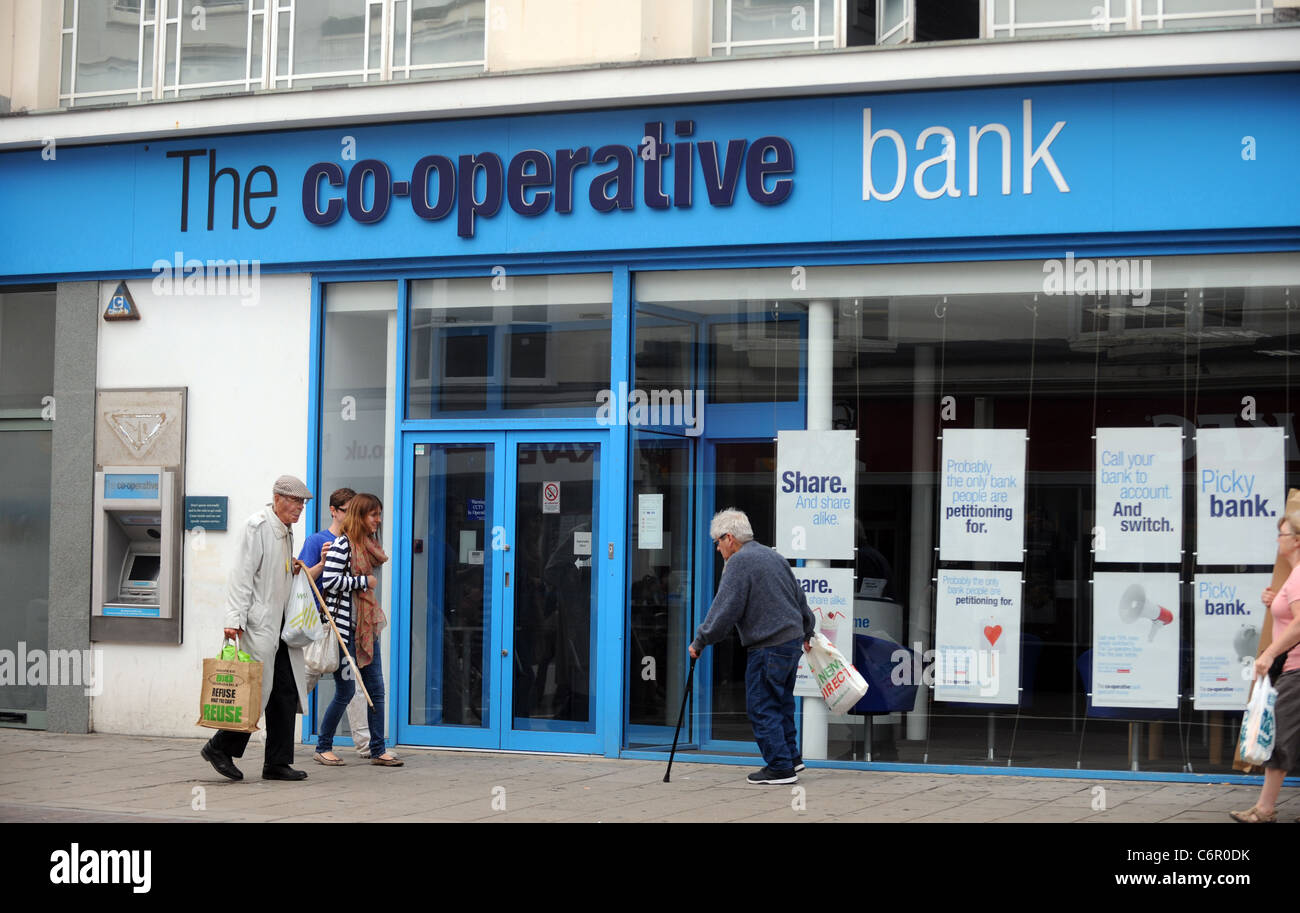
(759, 596)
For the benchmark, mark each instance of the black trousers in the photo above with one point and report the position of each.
(278, 718)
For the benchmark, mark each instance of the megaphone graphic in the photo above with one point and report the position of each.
(1134, 605)
(1245, 642)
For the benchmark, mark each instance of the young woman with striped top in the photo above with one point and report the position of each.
(348, 582)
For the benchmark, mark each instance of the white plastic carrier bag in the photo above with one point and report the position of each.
(840, 683)
(1258, 726)
(302, 624)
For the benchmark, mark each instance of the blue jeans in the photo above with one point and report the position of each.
(372, 676)
(769, 699)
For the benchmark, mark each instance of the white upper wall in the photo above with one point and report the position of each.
(534, 34)
(29, 54)
(246, 368)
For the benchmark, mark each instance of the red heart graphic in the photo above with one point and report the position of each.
(993, 633)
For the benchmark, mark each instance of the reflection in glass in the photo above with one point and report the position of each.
(659, 613)
(26, 350)
(446, 31)
(495, 345)
(328, 38)
(108, 47)
(745, 478)
(216, 52)
(451, 580)
(556, 530)
(24, 555)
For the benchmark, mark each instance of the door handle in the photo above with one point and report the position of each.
(507, 578)
(505, 652)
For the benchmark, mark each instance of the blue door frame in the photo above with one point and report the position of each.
(605, 681)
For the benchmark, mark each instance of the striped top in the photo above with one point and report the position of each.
(337, 585)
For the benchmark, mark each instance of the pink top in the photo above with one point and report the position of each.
(1282, 616)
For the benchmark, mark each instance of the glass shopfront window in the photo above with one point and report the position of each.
(357, 415)
(1058, 352)
(508, 345)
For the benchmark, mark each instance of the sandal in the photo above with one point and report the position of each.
(1253, 815)
(387, 760)
(319, 758)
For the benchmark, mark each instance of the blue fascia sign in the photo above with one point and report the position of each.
(1076, 158)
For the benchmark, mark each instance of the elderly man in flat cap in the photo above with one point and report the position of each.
(257, 594)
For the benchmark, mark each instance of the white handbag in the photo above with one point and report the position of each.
(302, 624)
(841, 685)
(322, 656)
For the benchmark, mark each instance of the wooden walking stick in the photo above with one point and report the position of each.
(356, 673)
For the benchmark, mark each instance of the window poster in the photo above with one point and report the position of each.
(1139, 495)
(830, 596)
(1239, 493)
(815, 479)
(1229, 617)
(650, 521)
(1135, 640)
(982, 495)
(977, 637)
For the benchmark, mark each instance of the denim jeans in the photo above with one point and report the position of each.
(769, 699)
(372, 676)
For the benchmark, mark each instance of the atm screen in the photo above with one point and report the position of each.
(144, 568)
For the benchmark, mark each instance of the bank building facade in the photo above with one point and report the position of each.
(987, 319)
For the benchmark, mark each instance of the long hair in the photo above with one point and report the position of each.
(354, 521)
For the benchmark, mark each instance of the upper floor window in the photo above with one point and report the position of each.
(134, 50)
(1026, 18)
(761, 26)
(767, 26)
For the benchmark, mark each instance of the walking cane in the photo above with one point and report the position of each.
(690, 680)
(356, 673)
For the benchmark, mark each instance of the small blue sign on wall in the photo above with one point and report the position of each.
(475, 508)
(206, 512)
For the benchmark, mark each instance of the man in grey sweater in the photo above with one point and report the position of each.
(759, 596)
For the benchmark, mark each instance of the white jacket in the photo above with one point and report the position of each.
(257, 593)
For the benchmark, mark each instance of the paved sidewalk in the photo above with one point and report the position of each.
(85, 778)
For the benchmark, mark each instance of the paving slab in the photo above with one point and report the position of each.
(80, 777)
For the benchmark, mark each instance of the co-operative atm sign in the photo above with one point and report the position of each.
(131, 486)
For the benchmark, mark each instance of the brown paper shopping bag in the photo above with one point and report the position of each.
(231, 693)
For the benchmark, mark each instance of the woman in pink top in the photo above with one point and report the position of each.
(1285, 607)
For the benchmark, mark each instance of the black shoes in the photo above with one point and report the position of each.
(224, 765)
(221, 762)
(798, 765)
(282, 772)
(769, 777)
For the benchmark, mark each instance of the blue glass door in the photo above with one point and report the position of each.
(551, 588)
(501, 533)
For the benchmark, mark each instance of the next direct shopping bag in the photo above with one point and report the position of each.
(231, 695)
(840, 683)
(1258, 726)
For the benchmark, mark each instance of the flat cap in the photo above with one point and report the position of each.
(291, 487)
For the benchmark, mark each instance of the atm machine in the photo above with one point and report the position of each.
(136, 556)
(138, 536)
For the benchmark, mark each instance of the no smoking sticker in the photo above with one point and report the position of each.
(550, 497)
